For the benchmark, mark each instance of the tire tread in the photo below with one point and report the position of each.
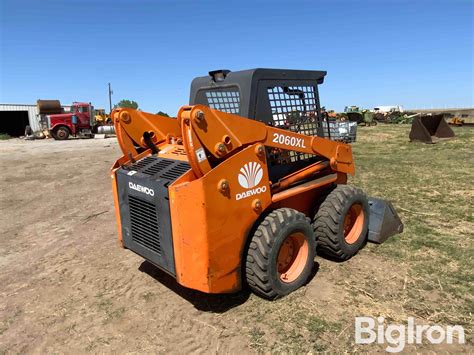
(257, 261)
(326, 222)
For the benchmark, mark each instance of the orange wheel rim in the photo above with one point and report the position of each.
(353, 223)
(292, 257)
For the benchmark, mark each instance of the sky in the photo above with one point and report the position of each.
(419, 54)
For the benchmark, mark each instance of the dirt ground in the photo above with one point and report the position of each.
(66, 286)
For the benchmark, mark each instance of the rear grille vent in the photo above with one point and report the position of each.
(141, 164)
(164, 168)
(176, 171)
(179, 151)
(144, 224)
(157, 167)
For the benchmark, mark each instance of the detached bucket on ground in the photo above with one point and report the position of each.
(430, 129)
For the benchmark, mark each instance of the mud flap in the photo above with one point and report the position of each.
(383, 221)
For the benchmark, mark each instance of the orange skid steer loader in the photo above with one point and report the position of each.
(241, 188)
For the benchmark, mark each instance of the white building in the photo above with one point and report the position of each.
(15, 117)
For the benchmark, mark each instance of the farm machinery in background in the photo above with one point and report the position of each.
(343, 126)
(101, 117)
(362, 117)
(456, 121)
(396, 117)
(337, 127)
(81, 120)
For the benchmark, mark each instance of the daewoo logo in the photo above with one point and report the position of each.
(140, 188)
(250, 175)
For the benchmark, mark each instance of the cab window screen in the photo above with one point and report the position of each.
(294, 108)
(226, 101)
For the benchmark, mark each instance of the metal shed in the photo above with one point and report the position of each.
(15, 117)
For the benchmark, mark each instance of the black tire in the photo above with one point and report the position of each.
(264, 274)
(334, 237)
(61, 133)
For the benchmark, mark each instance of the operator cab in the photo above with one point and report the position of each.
(286, 99)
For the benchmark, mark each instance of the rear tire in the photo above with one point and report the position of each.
(61, 133)
(281, 254)
(341, 223)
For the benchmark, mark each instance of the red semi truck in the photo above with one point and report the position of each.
(76, 122)
(79, 121)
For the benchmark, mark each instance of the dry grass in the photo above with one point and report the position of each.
(426, 273)
(432, 187)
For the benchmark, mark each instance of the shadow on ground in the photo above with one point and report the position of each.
(202, 301)
(215, 303)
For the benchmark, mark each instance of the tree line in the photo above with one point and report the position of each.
(133, 104)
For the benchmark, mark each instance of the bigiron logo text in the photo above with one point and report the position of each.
(250, 176)
(140, 188)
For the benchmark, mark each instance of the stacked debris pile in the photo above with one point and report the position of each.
(396, 117)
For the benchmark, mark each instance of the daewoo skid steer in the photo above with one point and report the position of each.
(240, 188)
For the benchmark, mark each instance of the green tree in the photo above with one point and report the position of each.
(127, 104)
(161, 113)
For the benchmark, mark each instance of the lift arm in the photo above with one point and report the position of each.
(137, 130)
(222, 134)
(205, 131)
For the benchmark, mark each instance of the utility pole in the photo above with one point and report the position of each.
(110, 98)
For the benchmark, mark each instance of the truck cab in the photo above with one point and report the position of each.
(77, 122)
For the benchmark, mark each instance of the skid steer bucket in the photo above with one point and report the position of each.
(383, 220)
(430, 129)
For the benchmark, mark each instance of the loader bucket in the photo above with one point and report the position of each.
(383, 221)
(430, 129)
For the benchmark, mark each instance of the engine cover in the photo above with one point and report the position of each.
(144, 208)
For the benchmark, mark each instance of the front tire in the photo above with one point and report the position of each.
(281, 254)
(341, 223)
(61, 133)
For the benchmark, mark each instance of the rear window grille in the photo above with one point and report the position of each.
(158, 166)
(176, 171)
(225, 101)
(144, 224)
(294, 108)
